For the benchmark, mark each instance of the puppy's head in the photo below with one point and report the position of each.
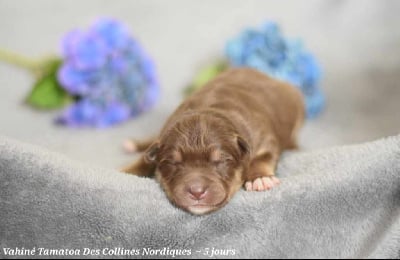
(199, 161)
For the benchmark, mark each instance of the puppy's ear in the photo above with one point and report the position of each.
(243, 146)
(151, 154)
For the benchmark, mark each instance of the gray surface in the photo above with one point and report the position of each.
(342, 202)
(357, 42)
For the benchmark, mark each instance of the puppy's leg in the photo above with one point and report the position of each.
(133, 146)
(261, 173)
(140, 168)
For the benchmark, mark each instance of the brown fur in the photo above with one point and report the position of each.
(231, 131)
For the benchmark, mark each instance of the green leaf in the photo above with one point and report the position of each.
(47, 92)
(205, 75)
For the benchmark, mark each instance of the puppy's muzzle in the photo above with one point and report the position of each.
(200, 195)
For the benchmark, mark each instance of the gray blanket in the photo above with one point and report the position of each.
(340, 202)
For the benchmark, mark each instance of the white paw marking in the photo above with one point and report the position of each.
(262, 184)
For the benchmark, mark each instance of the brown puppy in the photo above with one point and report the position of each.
(228, 134)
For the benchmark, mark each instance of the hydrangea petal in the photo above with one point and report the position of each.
(72, 80)
(89, 52)
(151, 96)
(81, 113)
(113, 113)
(69, 42)
(114, 33)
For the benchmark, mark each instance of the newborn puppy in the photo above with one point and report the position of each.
(228, 134)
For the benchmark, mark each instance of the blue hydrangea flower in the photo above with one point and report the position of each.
(108, 71)
(267, 50)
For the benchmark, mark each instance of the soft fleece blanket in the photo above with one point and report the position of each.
(342, 202)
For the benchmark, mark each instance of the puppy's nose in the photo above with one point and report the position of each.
(197, 191)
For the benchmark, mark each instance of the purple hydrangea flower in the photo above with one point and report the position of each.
(267, 50)
(108, 71)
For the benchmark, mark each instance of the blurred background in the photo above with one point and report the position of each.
(357, 43)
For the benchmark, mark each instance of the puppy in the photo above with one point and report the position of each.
(228, 134)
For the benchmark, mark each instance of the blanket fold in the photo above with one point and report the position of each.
(341, 202)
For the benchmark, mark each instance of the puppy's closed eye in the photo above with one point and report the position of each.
(219, 158)
(170, 162)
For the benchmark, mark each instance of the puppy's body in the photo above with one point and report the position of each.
(257, 106)
(229, 133)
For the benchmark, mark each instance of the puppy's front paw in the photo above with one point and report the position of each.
(262, 183)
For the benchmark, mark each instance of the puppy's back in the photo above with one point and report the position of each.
(251, 98)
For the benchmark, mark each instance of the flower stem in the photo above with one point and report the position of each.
(35, 66)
